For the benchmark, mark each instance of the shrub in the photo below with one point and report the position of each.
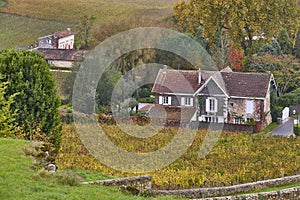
(28, 74)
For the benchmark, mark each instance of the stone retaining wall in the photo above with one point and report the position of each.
(139, 182)
(285, 194)
(229, 190)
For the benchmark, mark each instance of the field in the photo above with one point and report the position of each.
(2, 3)
(18, 181)
(60, 13)
(22, 31)
(237, 158)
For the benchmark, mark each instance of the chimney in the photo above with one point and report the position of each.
(199, 77)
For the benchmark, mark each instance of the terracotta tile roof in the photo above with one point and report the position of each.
(62, 34)
(233, 83)
(246, 84)
(176, 81)
(62, 54)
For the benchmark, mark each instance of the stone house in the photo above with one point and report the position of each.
(214, 96)
(62, 58)
(58, 40)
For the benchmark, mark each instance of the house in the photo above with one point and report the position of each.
(62, 58)
(214, 96)
(58, 40)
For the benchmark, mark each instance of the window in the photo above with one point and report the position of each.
(211, 119)
(249, 106)
(51, 62)
(237, 120)
(231, 105)
(164, 100)
(211, 104)
(186, 101)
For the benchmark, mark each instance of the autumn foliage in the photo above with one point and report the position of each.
(236, 59)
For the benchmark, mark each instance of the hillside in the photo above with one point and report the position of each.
(44, 17)
(18, 181)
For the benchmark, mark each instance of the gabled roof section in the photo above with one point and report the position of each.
(59, 34)
(62, 34)
(231, 84)
(215, 85)
(176, 81)
(246, 84)
(62, 54)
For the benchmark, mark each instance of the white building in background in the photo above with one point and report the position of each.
(58, 40)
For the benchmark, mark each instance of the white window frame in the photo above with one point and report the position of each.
(211, 119)
(165, 100)
(211, 105)
(187, 101)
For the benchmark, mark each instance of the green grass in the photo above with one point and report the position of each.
(22, 31)
(18, 181)
(270, 128)
(2, 3)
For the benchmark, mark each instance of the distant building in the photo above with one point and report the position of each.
(58, 40)
(62, 58)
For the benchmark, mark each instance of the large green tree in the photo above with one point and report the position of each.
(242, 19)
(7, 116)
(36, 104)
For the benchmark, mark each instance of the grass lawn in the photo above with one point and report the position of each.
(17, 30)
(18, 181)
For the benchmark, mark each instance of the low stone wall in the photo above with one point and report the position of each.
(229, 190)
(139, 182)
(226, 127)
(285, 194)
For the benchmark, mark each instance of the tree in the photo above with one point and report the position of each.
(271, 49)
(28, 74)
(286, 70)
(7, 116)
(83, 31)
(220, 50)
(242, 19)
(285, 42)
(236, 59)
(297, 45)
(106, 86)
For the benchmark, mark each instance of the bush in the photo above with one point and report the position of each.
(28, 74)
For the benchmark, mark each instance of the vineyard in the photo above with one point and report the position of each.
(22, 31)
(236, 158)
(23, 22)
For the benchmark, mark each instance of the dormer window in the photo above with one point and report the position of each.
(165, 100)
(186, 101)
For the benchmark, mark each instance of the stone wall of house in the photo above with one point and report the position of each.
(237, 109)
(229, 190)
(62, 64)
(285, 194)
(141, 183)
